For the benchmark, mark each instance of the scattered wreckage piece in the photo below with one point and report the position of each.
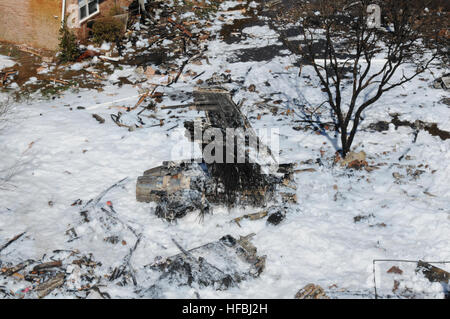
(433, 273)
(91, 209)
(135, 121)
(443, 82)
(46, 266)
(254, 216)
(116, 119)
(12, 240)
(125, 270)
(99, 119)
(87, 54)
(276, 214)
(71, 274)
(47, 287)
(177, 187)
(354, 160)
(92, 203)
(221, 264)
(272, 3)
(181, 27)
(5, 293)
(311, 291)
(9, 271)
(4, 76)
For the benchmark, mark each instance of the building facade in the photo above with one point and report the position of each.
(36, 23)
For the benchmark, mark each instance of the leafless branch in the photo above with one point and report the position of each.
(411, 34)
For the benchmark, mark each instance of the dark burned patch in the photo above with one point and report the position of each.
(381, 126)
(292, 31)
(431, 128)
(397, 122)
(26, 63)
(28, 67)
(361, 218)
(435, 131)
(317, 48)
(257, 54)
(180, 188)
(236, 178)
(228, 30)
(241, 178)
(276, 218)
(154, 58)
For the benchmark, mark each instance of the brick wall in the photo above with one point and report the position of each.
(31, 22)
(107, 5)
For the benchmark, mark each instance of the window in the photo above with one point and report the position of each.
(87, 8)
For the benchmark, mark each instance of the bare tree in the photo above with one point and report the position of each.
(348, 47)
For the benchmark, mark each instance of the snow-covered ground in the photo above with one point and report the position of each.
(5, 62)
(56, 154)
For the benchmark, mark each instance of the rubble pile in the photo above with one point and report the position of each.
(181, 187)
(64, 272)
(162, 41)
(71, 273)
(221, 264)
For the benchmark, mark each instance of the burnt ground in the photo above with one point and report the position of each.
(50, 78)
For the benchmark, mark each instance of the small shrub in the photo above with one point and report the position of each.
(68, 45)
(107, 30)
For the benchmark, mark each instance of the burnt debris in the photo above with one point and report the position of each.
(232, 178)
(221, 264)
